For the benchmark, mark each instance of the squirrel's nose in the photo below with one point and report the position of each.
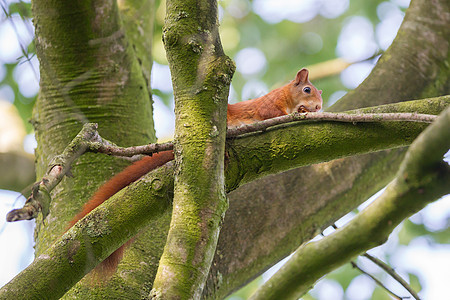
(318, 107)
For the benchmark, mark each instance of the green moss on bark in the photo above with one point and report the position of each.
(201, 75)
(290, 149)
(89, 73)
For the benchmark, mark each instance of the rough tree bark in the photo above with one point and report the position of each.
(89, 72)
(78, 77)
(423, 177)
(414, 67)
(120, 218)
(201, 76)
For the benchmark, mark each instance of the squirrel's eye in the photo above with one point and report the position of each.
(307, 90)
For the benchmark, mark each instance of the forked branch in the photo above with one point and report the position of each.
(423, 177)
(89, 140)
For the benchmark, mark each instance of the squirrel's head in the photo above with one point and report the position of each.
(305, 96)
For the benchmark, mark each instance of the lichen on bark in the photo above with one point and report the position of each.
(249, 243)
(201, 75)
(89, 73)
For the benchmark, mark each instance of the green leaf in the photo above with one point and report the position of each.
(381, 294)
(411, 230)
(344, 275)
(22, 8)
(23, 104)
(442, 236)
(414, 282)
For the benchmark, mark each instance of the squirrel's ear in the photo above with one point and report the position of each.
(302, 76)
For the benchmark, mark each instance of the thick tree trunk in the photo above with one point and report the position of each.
(414, 67)
(201, 76)
(90, 72)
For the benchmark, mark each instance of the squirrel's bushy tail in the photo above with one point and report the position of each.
(130, 174)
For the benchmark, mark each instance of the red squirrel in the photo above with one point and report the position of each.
(299, 95)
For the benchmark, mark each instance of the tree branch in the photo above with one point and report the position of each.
(388, 270)
(303, 144)
(130, 213)
(378, 282)
(330, 190)
(201, 76)
(89, 140)
(326, 116)
(263, 125)
(39, 201)
(93, 238)
(392, 273)
(423, 177)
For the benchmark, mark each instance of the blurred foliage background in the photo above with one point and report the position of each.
(270, 40)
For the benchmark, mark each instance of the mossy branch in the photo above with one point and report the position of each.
(93, 239)
(126, 215)
(264, 125)
(89, 140)
(348, 181)
(201, 77)
(39, 200)
(423, 177)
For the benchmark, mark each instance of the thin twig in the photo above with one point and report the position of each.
(131, 151)
(392, 273)
(89, 140)
(387, 269)
(325, 116)
(264, 125)
(59, 166)
(354, 265)
(25, 53)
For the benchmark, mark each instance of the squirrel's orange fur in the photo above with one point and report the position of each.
(128, 175)
(297, 96)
